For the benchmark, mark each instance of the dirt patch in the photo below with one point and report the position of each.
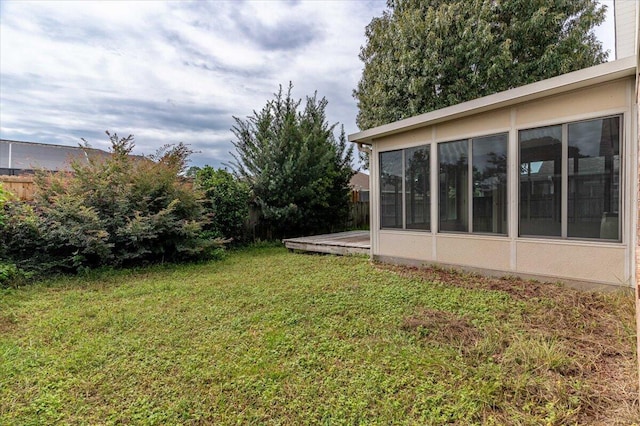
(517, 288)
(596, 331)
(7, 323)
(441, 326)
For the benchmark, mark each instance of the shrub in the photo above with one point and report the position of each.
(16, 219)
(11, 275)
(226, 200)
(20, 235)
(297, 169)
(114, 211)
(5, 196)
(8, 271)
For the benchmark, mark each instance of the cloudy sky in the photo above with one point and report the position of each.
(177, 71)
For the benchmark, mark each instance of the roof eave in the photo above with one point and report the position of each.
(608, 71)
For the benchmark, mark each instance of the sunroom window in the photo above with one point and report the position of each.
(454, 186)
(473, 171)
(417, 199)
(570, 180)
(405, 199)
(540, 181)
(391, 189)
(489, 164)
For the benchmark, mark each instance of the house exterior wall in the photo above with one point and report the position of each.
(625, 21)
(570, 260)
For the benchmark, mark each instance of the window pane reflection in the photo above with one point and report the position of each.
(490, 184)
(417, 188)
(391, 189)
(594, 179)
(540, 181)
(454, 186)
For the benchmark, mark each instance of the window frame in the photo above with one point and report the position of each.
(407, 190)
(402, 197)
(403, 201)
(564, 180)
(469, 140)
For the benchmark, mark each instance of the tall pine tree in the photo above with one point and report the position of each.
(297, 170)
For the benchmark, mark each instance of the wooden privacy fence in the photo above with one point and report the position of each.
(358, 215)
(22, 187)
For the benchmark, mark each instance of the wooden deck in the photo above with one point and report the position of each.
(341, 243)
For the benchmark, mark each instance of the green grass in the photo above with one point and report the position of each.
(270, 337)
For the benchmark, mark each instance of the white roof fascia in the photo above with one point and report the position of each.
(608, 71)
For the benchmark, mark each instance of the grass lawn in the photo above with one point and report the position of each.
(271, 337)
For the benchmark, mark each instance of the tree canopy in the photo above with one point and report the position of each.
(423, 55)
(297, 170)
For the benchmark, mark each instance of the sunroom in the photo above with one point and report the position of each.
(538, 181)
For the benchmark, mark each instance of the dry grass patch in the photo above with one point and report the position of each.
(442, 327)
(565, 336)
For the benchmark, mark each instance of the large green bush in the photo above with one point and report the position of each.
(226, 200)
(297, 169)
(116, 211)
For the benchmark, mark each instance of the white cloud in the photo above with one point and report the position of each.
(85, 54)
(171, 71)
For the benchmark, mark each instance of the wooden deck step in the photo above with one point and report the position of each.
(341, 243)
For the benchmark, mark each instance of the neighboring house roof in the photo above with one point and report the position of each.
(33, 155)
(608, 71)
(359, 182)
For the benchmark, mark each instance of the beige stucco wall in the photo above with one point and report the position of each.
(490, 122)
(598, 263)
(600, 100)
(589, 261)
(477, 251)
(406, 245)
(403, 140)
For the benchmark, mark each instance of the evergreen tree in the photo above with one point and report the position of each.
(298, 172)
(425, 55)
